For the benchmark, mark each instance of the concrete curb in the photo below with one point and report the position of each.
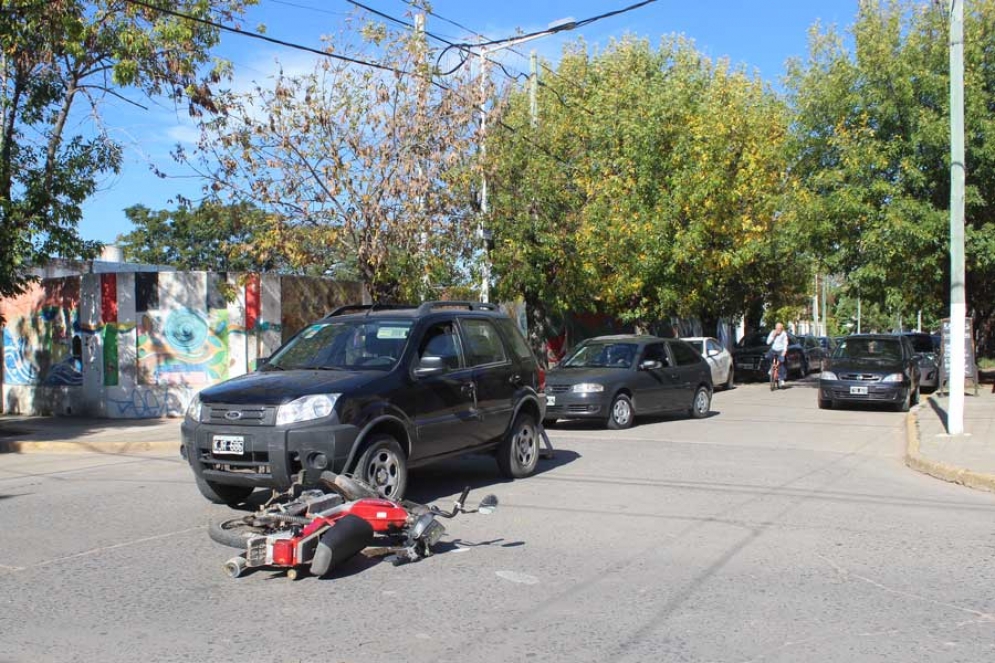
(36, 446)
(950, 473)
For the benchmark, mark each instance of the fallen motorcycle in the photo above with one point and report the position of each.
(319, 528)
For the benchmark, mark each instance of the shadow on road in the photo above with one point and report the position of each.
(427, 484)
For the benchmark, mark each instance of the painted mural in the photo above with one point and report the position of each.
(40, 334)
(141, 343)
(183, 347)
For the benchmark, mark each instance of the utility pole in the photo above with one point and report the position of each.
(485, 269)
(858, 314)
(958, 299)
(815, 306)
(534, 88)
(825, 296)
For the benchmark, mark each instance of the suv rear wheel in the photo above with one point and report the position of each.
(220, 493)
(384, 466)
(518, 453)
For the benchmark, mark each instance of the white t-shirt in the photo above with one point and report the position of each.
(778, 342)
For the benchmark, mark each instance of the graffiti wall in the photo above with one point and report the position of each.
(141, 344)
(41, 331)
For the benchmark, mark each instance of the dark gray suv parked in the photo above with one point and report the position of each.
(371, 390)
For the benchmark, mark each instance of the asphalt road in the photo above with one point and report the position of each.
(771, 531)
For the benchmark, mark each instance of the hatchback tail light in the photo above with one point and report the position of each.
(542, 379)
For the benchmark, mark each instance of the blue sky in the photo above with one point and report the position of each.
(760, 35)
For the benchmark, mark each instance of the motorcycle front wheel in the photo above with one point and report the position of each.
(233, 532)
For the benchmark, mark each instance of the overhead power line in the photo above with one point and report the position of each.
(271, 40)
(334, 56)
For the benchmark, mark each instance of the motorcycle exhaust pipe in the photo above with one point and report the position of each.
(349, 535)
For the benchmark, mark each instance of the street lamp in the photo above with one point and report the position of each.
(483, 52)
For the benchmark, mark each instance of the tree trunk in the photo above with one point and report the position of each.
(535, 313)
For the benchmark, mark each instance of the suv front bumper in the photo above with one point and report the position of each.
(271, 455)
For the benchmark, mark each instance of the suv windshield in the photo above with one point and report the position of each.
(881, 349)
(602, 355)
(359, 344)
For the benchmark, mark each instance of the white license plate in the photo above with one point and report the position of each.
(858, 391)
(550, 400)
(229, 444)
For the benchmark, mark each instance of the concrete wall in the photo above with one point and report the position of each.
(147, 341)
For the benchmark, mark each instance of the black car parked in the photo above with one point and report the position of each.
(871, 368)
(750, 357)
(614, 378)
(371, 390)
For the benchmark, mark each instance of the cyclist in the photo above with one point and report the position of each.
(778, 342)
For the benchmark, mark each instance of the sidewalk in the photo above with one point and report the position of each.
(968, 459)
(72, 434)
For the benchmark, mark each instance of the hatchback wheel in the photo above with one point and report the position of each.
(702, 403)
(621, 414)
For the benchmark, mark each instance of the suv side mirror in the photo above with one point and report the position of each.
(712, 352)
(650, 365)
(429, 366)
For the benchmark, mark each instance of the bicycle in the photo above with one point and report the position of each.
(775, 369)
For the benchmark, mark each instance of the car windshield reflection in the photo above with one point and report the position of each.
(367, 345)
(883, 350)
(602, 355)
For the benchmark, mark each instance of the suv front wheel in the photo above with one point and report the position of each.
(384, 466)
(519, 451)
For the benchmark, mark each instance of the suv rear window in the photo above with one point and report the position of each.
(483, 345)
(513, 336)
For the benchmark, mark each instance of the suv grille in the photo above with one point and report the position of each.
(241, 415)
(254, 462)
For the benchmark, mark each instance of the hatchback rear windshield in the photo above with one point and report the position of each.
(885, 349)
(602, 355)
(346, 345)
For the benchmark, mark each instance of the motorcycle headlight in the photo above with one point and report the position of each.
(587, 388)
(894, 377)
(306, 408)
(194, 409)
(828, 375)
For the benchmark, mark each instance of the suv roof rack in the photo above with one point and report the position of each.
(428, 307)
(369, 308)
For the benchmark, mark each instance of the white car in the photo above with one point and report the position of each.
(719, 359)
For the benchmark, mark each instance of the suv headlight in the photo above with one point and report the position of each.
(894, 377)
(587, 388)
(194, 409)
(828, 375)
(306, 408)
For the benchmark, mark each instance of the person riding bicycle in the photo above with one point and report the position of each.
(778, 342)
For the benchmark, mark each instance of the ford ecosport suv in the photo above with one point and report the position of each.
(371, 390)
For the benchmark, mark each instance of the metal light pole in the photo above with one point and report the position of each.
(958, 300)
(482, 53)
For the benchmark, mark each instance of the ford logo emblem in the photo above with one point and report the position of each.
(233, 415)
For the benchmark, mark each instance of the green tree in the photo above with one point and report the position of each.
(360, 163)
(871, 143)
(661, 189)
(211, 237)
(59, 61)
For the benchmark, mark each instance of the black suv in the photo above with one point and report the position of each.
(371, 390)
